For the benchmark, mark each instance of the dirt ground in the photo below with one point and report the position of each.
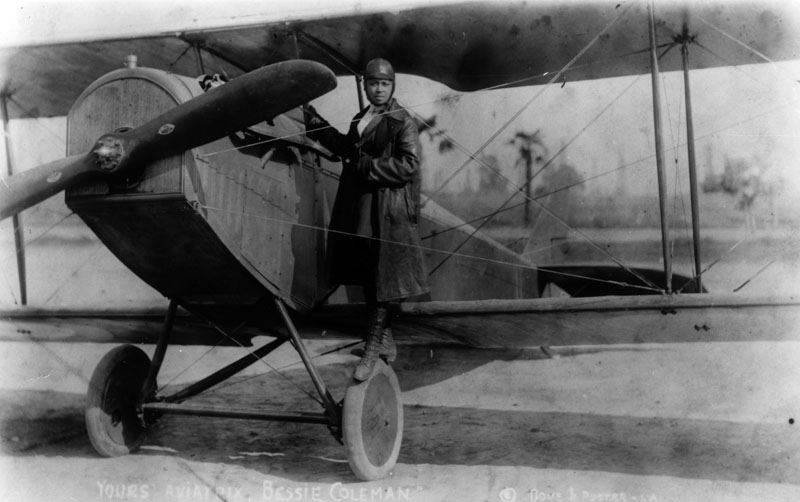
(701, 422)
(706, 422)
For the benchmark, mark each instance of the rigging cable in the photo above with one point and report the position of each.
(180, 56)
(541, 196)
(603, 251)
(30, 113)
(522, 264)
(544, 208)
(419, 105)
(473, 156)
(565, 222)
(285, 366)
(737, 41)
(745, 283)
(536, 96)
(789, 79)
(267, 364)
(714, 262)
(48, 229)
(779, 107)
(204, 354)
(338, 58)
(678, 193)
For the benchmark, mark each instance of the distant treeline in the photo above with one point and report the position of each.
(717, 210)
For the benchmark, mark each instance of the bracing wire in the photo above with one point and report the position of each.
(204, 354)
(180, 56)
(745, 283)
(541, 196)
(230, 336)
(736, 40)
(34, 239)
(714, 262)
(521, 264)
(525, 106)
(272, 368)
(792, 102)
(187, 368)
(599, 248)
(473, 156)
(32, 114)
(17, 252)
(739, 70)
(503, 85)
(676, 141)
(28, 113)
(89, 259)
(729, 64)
(463, 255)
(767, 59)
(544, 208)
(700, 137)
(557, 76)
(327, 51)
(778, 107)
(284, 367)
(640, 161)
(757, 81)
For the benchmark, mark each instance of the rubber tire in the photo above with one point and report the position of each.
(372, 424)
(114, 395)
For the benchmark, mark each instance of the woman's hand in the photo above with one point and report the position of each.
(313, 119)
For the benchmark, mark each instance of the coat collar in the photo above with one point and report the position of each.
(393, 112)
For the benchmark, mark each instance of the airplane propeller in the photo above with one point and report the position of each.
(242, 102)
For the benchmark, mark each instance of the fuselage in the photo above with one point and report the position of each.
(244, 217)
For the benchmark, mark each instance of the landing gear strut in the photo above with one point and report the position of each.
(122, 393)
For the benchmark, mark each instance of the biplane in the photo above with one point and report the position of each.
(218, 200)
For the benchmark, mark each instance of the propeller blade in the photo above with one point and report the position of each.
(30, 187)
(259, 95)
(246, 100)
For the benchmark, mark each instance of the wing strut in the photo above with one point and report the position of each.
(659, 135)
(19, 243)
(198, 56)
(686, 39)
(335, 55)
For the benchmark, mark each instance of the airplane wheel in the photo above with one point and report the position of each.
(113, 402)
(372, 424)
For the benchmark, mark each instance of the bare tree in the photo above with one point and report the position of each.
(529, 149)
(433, 135)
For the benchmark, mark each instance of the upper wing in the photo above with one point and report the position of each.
(465, 46)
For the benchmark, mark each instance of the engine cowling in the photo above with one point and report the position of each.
(213, 226)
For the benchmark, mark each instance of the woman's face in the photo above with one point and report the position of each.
(379, 91)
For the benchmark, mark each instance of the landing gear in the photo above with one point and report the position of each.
(114, 418)
(372, 422)
(123, 392)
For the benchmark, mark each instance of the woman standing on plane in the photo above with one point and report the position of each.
(373, 240)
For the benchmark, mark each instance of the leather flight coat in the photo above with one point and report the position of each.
(373, 233)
